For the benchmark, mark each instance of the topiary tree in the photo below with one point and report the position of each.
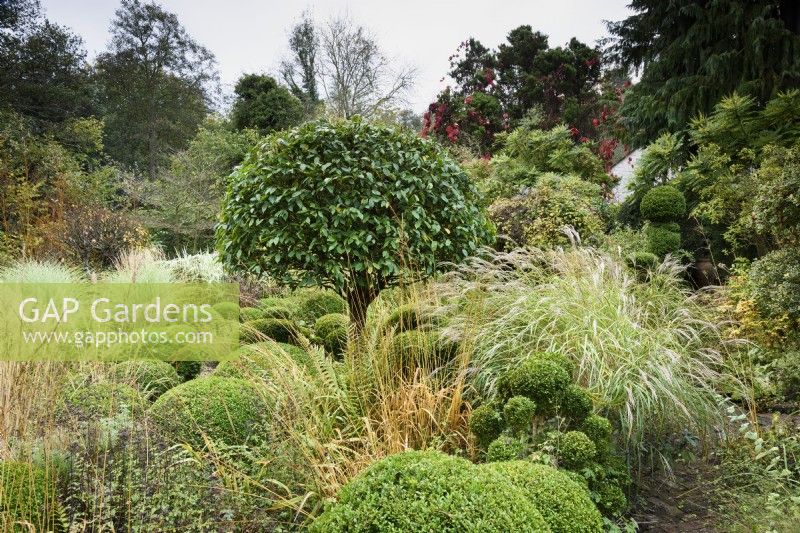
(504, 448)
(486, 424)
(565, 504)
(222, 409)
(575, 450)
(518, 413)
(541, 380)
(430, 491)
(664, 203)
(341, 203)
(663, 207)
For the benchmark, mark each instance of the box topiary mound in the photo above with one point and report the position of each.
(27, 495)
(260, 360)
(228, 310)
(542, 380)
(664, 203)
(575, 450)
(151, 376)
(100, 400)
(662, 239)
(223, 409)
(311, 304)
(564, 503)
(430, 491)
(331, 329)
(277, 329)
(486, 424)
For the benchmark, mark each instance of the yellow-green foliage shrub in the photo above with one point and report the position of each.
(538, 217)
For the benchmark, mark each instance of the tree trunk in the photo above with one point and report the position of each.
(358, 299)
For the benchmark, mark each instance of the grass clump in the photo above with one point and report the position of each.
(650, 353)
(430, 491)
(221, 409)
(27, 497)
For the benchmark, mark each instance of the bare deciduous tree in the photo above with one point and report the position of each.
(355, 75)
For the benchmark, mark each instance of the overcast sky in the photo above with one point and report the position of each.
(251, 36)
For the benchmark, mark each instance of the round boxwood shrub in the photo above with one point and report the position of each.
(664, 203)
(27, 494)
(610, 498)
(429, 491)
(259, 361)
(564, 504)
(561, 360)
(576, 404)
(486, 424)
(504, 448)
(277, 329)
(277, 311)
(100, 400)
(331, 330)
(151, 376)
(575, 450)
(597, 428)
(518, 413)
(539, 379)
(187, 369)
(246, 314)
(662, 239)
(315, 303)
(223, 409)
(228, 310)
